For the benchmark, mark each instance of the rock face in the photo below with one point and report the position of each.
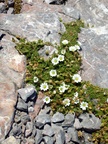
(34, 26)
(94, 44)
(12, 74)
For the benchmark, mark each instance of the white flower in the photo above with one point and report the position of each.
(107, 100)
(66, 102)
(53, 73)
(72, 48)
(61, 57)
(76, 99)
(66, 86)
(63, 51)
(77, 47)
(54, 92)
(56, 51)
(44, 86)
(46, 99)
(55, 61)
(77, 78)
(83, 105)
(62, 89)
(35, 79)
(65, 42)
(76, 94)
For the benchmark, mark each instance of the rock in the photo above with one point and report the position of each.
(29, 129)
(42, 119)
(12, 64)
(25, 118)
(27, 93)
(48, 131)
(34, 26)
(3, 8)
(94, 43)
(10, 11)
(57, 117)
(74, 135)
(10, 140)
(68, 122)
(16, 130)
(60, 137)
(46, 52)
(89, 122)
(93, 12)
(71, 12)
(48, 140)
(22, 106)
(38, 137)
(7, 103)
(55, 1)
(77, 124)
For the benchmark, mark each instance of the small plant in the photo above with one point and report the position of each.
(60, 81)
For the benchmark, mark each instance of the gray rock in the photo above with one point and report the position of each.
(60, 137)
(34, 26)
(48, 140)
(29, 129)
(74, 134)
(48, 131)
(46, 52)
(16, 130)
(57, 117)
(42, 119)
(56, 128)
(77, 124)
(25, 118)
(94, 43)
(69, 120)
(93, 12)
(27, 93)
(38, 137)
(71, 12)
(10, 140)
(10, 11)
(89, 122)
(22, 106)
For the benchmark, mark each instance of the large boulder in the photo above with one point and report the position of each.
(12, 74)
(34, 26)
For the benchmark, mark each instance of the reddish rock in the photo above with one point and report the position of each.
(39, 104)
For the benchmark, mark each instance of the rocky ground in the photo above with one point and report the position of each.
(20, 119)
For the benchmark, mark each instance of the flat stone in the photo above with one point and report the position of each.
(57, 117)
(69, 121)
(60, 137)
(42, 119)
(90, 122)
(74, 134)
(22, 106)
(28, 92)
(48, 131)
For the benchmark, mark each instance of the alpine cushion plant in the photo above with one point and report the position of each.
(59, 79)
